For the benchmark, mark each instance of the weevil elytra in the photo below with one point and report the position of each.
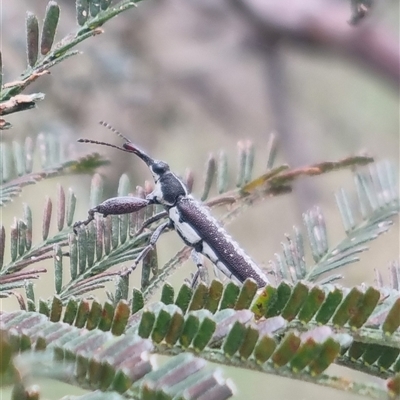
(188, 217)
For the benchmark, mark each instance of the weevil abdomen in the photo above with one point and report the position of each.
(200, 230)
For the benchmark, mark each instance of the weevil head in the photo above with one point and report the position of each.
(168, 187)
(158, 169)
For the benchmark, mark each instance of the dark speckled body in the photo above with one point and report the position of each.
(192, 220)
(200, 230)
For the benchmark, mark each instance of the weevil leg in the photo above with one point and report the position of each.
(201, 269)
(90, 218)
(114, 206)
(151, 220)
(153, 240)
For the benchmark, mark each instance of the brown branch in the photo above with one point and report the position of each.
(324, 25)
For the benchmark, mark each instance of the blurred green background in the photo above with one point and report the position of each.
(185, 78)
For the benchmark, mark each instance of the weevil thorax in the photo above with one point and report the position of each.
(168, 187)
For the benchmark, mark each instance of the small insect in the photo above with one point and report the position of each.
(188, 217)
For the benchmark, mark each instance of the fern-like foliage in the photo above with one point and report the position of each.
(17, 163)
(378, 200)
(43, 53)
(17, 172)
(16, 159)
(104, 361)
(293, 331)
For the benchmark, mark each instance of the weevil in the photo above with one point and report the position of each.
(188, 217)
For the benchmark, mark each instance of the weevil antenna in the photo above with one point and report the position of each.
(112, 129)
(102, 143)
